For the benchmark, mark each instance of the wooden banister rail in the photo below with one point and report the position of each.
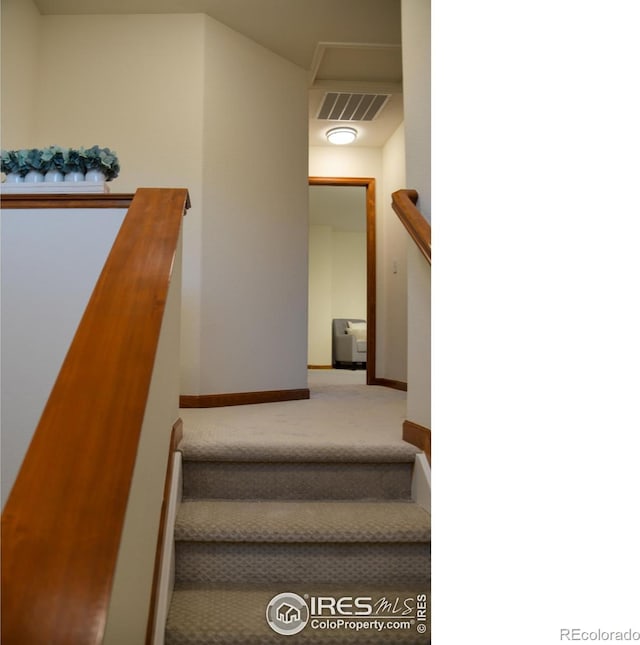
(404, 204)
(62, 522)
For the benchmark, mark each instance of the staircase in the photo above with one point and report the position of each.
(334, 529)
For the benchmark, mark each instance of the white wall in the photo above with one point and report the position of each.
(416, 69)
(50, 263)
(255, 226)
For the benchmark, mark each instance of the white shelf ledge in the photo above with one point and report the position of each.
(57, 187)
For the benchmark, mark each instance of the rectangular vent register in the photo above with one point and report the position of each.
(341, 106)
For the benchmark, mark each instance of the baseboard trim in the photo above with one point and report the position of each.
(241, 398)
(387, 382)
(417, 435)
(176, 437)
(319, 367)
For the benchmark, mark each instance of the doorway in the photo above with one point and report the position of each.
(370, 188)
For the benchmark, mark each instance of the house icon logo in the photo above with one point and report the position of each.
(287, 614)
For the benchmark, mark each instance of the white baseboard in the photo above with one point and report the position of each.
(167, 573)
(421, 482)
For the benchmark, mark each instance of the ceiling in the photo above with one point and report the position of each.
(347, 46)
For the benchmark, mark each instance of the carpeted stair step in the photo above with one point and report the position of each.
(236, 615)
(339, 563)
(298, 480)
(328, 519)
(197, 446)
(293, 521)
(316, 541)
(296, 471)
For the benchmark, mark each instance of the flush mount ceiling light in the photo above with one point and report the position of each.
(342, 135)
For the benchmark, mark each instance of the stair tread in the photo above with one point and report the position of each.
(199, 446)
(302, 521)
(235, 614)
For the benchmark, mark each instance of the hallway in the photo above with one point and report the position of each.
(342, 414)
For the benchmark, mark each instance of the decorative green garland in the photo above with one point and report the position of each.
(65, 160)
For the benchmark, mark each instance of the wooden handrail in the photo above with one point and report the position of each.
(404, 204)
(62, 522)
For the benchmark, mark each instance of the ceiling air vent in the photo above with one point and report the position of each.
(340, 106)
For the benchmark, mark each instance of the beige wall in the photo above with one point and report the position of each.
(342, 161)
(349, 293)
(392, 272)
(337, 285)
(167, 133)
(20, 57)
(133, 83)
(416, 71)
(320, 287)
(416, 62)
(152, 115)
(386, 166)
(144, 99)
(176, 98)
(172, 129)
(255, 227)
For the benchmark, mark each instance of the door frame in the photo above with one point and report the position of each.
(370, 184)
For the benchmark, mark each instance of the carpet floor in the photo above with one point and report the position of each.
(307, 499)
(341, 414)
